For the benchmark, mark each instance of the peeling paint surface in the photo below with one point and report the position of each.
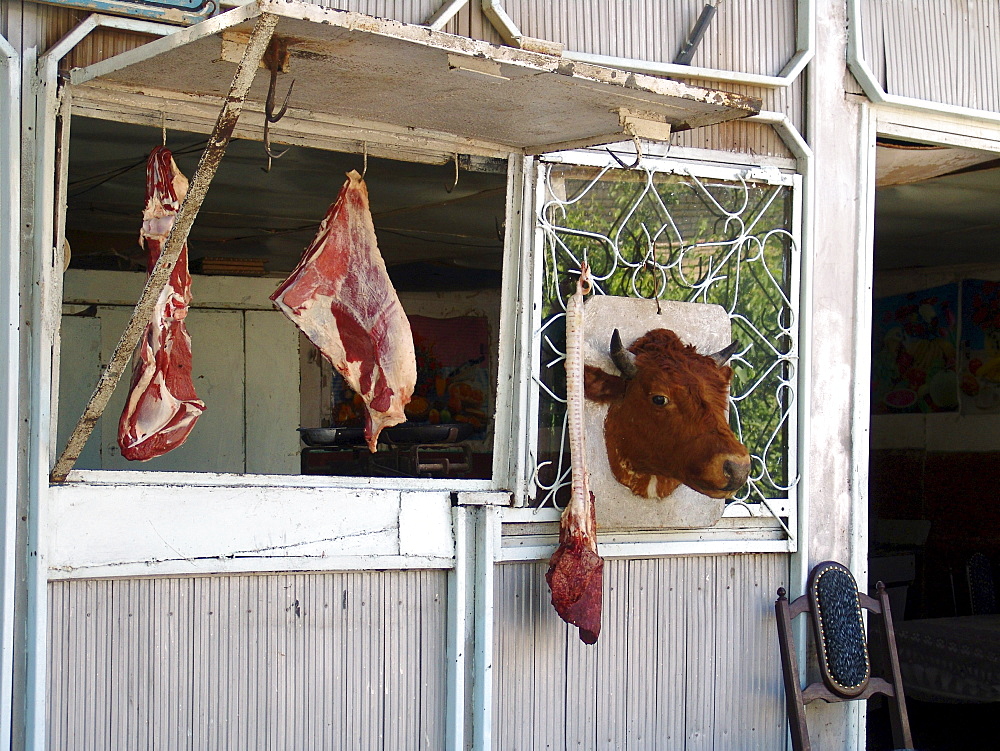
(543, 99)
(172, 529)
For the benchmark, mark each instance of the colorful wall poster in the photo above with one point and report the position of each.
(914, 341)
(453, 376)
(979, 369)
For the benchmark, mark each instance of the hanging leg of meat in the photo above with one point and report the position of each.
(162, 405)
(341, 298)
(576, 571)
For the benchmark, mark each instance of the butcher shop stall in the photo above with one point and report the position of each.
(272, 403)
(310, 324)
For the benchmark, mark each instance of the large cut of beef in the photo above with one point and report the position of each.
(576, 571)
(341, 298)
(162, 405)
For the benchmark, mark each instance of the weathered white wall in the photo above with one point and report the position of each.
(836, 138)
(837, 133)
(175, 528)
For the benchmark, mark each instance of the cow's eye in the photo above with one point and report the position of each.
(660, 400)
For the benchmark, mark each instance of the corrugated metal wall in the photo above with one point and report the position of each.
(749, 138)
(319, 661)
(749, 36)
(687, 658)
(469, 21)
(947, 52)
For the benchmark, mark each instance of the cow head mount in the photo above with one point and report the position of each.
(666, 423)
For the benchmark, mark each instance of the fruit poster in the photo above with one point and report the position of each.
(914, 340)
(453, 377)
(979, 369)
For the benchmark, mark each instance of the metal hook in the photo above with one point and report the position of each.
(364, 167)
(163, 126)
(454, 184)
(638, 154)
(270, 116)
(650, 266)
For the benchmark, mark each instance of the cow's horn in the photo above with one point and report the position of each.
(722, 356)
(622, 358)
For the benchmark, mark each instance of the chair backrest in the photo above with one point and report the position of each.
(982, 593)
(833, 606)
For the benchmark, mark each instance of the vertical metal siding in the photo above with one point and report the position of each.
(750, 36)
(943, 52)
(333, 661)
(407, 11)
(687, 659)
(749, 138)
(469, 21)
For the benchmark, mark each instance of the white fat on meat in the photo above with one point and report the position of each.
(162, 406)
(341, 298)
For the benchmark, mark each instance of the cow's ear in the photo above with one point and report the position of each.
(599, 386)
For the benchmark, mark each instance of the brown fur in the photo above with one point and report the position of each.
(689, 440)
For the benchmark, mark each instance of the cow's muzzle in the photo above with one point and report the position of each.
(736, 470)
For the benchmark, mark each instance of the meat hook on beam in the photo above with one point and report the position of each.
(276, 57)
(638, 154)
(450, 188)
(159, 276)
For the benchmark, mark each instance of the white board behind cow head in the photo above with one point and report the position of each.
(706, 327)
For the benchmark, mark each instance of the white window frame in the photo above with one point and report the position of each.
(530, 533)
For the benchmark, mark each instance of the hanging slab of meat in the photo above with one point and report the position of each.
(576, 571)
(341, 298)
(162, 405)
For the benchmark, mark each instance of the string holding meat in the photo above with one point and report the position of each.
(576, 571)
(341, 297)
(162, 406)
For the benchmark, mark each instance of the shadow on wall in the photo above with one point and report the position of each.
(957, 493)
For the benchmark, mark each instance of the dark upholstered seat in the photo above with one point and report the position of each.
(833, 606)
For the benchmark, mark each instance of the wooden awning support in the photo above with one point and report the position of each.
(158, 278)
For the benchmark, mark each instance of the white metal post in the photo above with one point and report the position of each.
(487, 546)
(470, 626)
(10, 279)
(39, 129)
(460, 618)
(508, 424)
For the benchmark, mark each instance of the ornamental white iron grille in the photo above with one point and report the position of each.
(688, 234)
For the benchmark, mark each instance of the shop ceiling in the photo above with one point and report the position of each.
(935, 206)
(434, 234)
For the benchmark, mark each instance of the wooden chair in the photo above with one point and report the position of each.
(979, 577)
(833, 606)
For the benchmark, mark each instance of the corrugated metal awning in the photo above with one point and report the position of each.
(351, 68)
